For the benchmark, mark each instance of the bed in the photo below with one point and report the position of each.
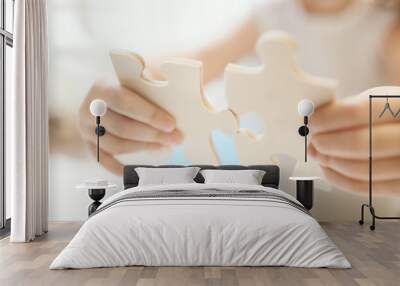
(199, 224)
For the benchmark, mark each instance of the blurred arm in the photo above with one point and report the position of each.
(238, 43)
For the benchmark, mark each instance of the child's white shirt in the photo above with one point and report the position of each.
(346, 46)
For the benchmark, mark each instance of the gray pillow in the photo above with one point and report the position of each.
(247, 177)
(163, 176)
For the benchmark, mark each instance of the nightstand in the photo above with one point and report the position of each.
(96, 193)
(305, 190)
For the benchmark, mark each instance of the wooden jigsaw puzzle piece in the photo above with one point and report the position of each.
(276, 84)
(182, 96)
(273, 90)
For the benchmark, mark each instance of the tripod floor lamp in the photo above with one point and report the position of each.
(390, 112)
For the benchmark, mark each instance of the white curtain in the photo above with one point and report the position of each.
(28, 123)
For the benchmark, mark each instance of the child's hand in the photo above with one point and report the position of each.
(132, 124)
(340, 144)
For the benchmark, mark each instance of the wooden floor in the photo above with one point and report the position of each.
(375, 257)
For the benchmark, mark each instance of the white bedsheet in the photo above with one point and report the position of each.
(223, 232)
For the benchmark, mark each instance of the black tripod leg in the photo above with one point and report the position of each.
(361, 221)
(372, 210)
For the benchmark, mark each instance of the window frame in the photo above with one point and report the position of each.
(6, 39)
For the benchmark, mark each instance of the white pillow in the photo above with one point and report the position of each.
(248, 177)
(162, 176)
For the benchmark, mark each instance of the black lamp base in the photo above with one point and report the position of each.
(100, 130)
(303, 131)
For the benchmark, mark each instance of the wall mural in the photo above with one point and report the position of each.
(210, 83)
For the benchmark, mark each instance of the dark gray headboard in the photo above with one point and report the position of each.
(271, 177)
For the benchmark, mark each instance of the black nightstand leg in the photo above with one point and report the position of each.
(305, 193)
(96, 195)
(93, 207)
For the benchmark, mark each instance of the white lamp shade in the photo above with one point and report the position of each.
(98, 107)
(305, 107)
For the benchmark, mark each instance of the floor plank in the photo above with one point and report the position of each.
(375, 257)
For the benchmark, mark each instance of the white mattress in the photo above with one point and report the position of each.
(199, 231)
